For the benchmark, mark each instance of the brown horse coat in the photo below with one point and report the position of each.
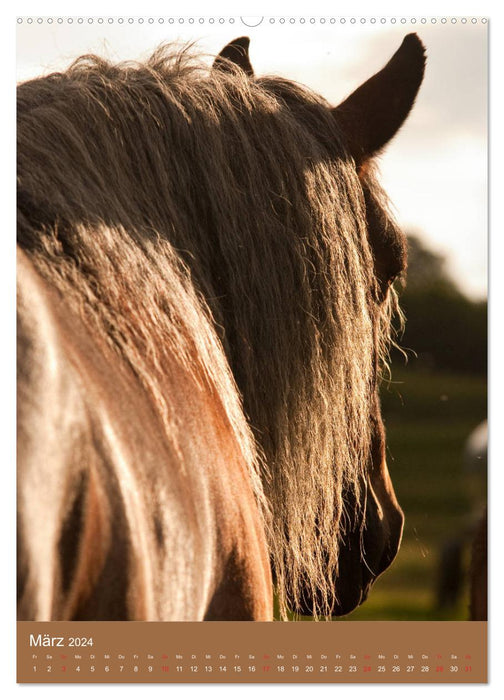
(120, 499)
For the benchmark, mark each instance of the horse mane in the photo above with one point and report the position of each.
(171, 203)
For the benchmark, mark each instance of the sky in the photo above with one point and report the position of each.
(435, 170)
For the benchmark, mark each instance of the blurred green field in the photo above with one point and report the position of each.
(428, 418)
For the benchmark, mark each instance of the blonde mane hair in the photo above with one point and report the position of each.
(176, 204)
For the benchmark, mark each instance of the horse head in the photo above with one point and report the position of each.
(370, 520)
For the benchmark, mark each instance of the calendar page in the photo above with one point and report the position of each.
(252, 349)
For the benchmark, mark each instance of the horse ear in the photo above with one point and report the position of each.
(374, 113)
(236, 52)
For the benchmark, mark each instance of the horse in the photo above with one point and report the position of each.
(205, 304)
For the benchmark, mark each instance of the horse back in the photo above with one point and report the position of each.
(125, 513)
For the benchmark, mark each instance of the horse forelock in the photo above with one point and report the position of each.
(165, 176)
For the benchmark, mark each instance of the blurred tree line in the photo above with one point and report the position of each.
(445, 329)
